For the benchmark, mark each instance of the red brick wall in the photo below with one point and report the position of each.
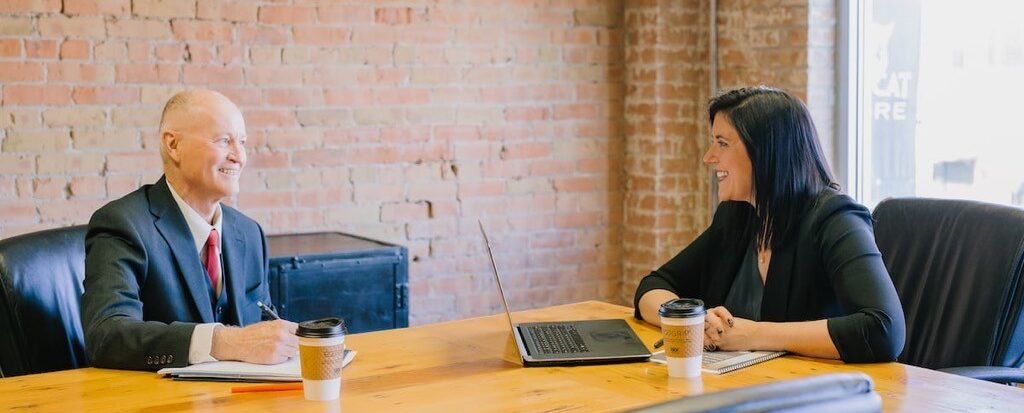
(763, 42)
(573, 128)
(667, 187)
(785, 43)
(400, 120)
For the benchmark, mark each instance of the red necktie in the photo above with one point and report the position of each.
(213, 260)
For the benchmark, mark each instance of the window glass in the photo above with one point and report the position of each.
(942, 100)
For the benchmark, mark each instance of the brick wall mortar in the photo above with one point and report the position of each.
(403, 121)
(573, 130)
(788, 44)
(666, 186)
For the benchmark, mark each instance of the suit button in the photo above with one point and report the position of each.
(170, 358)
(220, 310)
(163, 359)
(149, 360)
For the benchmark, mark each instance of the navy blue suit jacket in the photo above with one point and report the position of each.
(145, 287)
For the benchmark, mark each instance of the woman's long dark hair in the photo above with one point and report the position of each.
(788, 166)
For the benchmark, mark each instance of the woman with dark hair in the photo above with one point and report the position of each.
(789, 262)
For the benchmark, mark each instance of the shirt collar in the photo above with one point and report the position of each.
(198, 226)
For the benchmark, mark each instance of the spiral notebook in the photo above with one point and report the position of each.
(718, 362)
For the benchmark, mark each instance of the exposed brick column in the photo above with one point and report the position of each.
(788, 44)
(666, 201)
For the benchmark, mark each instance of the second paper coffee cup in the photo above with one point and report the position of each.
(321, 355)
(682, 325)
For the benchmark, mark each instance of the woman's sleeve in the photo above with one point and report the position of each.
(874, 329)
(680, 275)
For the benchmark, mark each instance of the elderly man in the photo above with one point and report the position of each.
(169, 269)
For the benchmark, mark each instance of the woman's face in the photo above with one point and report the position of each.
(728, 159)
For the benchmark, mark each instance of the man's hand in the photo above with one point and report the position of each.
(268, 342)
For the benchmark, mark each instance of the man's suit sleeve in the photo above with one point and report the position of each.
(112, 310)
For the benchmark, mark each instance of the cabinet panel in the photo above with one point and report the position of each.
(335, 274)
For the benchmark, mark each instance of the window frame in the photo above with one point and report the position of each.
(848, 165)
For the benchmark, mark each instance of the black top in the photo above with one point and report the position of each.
(829, 269)
(744, 299)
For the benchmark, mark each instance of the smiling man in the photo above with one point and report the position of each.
(169, 270)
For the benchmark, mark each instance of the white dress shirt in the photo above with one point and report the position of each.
(202, 337)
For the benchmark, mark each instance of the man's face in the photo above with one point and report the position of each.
(211, 151)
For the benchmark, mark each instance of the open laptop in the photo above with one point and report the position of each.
(563, 343)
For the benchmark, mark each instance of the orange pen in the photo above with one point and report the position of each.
(267, 387)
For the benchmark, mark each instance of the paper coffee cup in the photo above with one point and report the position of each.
(682, 325)
(321, 356)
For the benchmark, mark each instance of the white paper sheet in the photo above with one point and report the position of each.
(239, 371)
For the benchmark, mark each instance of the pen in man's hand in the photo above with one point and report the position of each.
(659, 343)
(266, 310)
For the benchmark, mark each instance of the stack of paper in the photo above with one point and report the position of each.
(238, 371)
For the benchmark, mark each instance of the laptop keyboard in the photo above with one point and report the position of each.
(557, 339)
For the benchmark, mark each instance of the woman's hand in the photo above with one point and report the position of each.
(722, 331)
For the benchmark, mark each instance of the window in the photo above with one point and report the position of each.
(933, 98)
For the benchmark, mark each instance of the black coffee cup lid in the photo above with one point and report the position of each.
(682, 307)
(322, 328)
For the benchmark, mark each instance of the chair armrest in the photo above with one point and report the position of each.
(988, 373)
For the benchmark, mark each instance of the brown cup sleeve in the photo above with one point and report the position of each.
(683, 341)
(321, 362)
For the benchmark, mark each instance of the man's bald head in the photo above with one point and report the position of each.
(191, 109)
(184, 105)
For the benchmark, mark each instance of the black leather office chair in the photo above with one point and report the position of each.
(834, 393)
(40, 288)
(957, 266)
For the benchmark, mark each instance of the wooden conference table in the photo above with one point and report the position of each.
(467, 365)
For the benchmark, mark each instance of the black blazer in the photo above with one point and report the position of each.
(145, 287)
(830, 269)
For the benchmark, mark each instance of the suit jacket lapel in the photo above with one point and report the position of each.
(233, 250)
(173, 228)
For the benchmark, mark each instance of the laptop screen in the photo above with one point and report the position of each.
(494, 267)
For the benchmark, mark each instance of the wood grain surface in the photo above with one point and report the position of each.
(470, 365)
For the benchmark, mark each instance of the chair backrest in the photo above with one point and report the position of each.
(957, 266)
(41, 277)
(834, 393)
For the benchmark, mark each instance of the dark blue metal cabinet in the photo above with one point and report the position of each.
(335, 274)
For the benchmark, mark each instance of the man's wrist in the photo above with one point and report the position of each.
(221, 348)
